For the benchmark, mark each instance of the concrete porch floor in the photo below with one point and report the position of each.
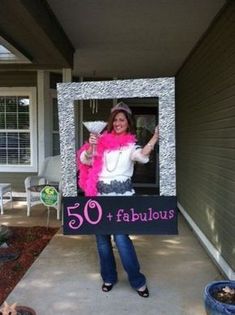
(65, 278)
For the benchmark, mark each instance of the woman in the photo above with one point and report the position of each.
(108, 173)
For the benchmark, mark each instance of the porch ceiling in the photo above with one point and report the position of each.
(118, 38)
(31, 27)
(133, 38)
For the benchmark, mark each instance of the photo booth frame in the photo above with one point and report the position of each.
(161, 88)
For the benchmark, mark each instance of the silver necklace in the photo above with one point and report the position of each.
(110, 170)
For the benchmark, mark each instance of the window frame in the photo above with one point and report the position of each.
(31, 93)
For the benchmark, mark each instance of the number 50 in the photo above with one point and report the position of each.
(76, 219)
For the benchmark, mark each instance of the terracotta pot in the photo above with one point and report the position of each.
(25, 310)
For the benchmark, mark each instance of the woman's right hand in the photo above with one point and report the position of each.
(93, 139)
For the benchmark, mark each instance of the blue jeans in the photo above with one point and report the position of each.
(128, 257)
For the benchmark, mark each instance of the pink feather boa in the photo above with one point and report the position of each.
(89, 175)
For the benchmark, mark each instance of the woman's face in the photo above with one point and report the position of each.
(120, 124)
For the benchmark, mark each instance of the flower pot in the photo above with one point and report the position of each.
(24, 310)
(212, 305)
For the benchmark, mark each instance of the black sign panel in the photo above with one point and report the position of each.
(120, 215)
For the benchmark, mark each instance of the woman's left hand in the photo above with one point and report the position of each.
(150, 145)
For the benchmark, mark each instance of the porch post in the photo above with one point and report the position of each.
(66, 75)
(44, 117)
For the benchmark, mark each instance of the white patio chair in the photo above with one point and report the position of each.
(50, 174)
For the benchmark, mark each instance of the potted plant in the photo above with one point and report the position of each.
(16, 310)
(219, 298)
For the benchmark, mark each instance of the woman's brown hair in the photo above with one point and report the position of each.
(131, 124)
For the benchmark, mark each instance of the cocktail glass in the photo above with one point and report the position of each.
(95, 127)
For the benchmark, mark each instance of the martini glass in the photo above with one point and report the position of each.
(95, 127)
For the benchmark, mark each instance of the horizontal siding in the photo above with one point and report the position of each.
(16, 180)
(205, 134)
(18, 78)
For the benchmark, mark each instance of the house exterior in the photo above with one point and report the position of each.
(43, 55)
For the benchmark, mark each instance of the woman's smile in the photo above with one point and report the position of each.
(120, 124)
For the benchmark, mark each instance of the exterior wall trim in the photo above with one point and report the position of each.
(212, 251)
(44, 117)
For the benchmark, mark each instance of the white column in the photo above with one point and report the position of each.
(44, 117)
(67, 75)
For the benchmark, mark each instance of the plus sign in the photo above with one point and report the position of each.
(109, 216)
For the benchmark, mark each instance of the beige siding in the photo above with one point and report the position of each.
(18, 78)
(16, 180)
(205, 124)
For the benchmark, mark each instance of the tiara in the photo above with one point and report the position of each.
(121, 106)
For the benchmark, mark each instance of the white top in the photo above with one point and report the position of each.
(118, 164)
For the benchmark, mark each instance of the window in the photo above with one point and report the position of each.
(17, 130)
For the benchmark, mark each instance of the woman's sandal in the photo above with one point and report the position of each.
(107, 287)
(144, 293)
